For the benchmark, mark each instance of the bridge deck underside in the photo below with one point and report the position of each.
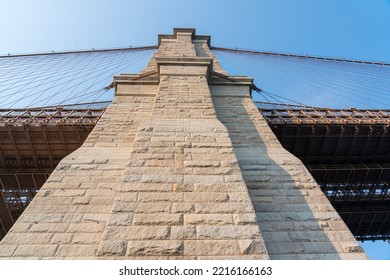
(32, 143)
(349, 159)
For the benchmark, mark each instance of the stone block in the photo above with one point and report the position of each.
(208, 219)
(87, 227)
(62, 238)
(203, 179)
(252, 247)
(86, 238)
(27, 238)
(184, 208)
(49, 227)
(161, 219)
(120, 219)
(76, 251)
(241, 197)
(45, 218)
(7, 250)
(145, 187)
(183, 232)
(95, 217)
(206, 197)
(227, 232)
(276, 248)
(36, 251)
(94, 209)
(183, 187)
(126, 197)
(160, 197)
(81, 200)
(211, 248)
(112, 248)
(278, 237)
(245, 219)
(223, 208)
(155, 248)
(136, 233)
(151, 207)
(351, 247)
(123, 207)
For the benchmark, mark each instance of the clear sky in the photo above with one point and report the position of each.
(335, 28)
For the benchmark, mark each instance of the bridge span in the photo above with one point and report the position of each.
(346, 150)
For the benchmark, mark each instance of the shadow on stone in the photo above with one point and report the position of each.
(296, 219)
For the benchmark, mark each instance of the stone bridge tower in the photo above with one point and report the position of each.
(181, 165)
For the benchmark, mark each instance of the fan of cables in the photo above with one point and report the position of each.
(51, 79)
(311, 81)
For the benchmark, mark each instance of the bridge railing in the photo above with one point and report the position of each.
(277, 114)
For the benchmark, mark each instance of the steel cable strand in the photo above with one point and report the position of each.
(304, 74)
(2, 102)
(285, 66)
(84, 68)
(346, 81)
(84, 79)
(355, 85)
(74, 77)
(48, 78)
(273, 72)
(103, 91)
(110, 75)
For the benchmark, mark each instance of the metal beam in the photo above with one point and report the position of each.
(5, 214)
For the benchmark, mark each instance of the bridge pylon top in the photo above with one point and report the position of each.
(176, 31)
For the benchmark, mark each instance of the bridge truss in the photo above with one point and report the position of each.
(348, 153)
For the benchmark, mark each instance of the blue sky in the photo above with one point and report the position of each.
(335, 28)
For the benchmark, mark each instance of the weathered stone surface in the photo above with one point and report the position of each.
(120, 219)
(28, 238)
(184, 172)
(86, 227)
(49, 227)
(35, 251)
(108, 248)
(297, 220)
(183, 232)
(154, 248)
(86, 238)
(136, 232)
(76, 251)
(7, 250)
(161, 219)
(227, 232)
(208, 219)
(62, 238)
(211, 248)
(252, 247)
